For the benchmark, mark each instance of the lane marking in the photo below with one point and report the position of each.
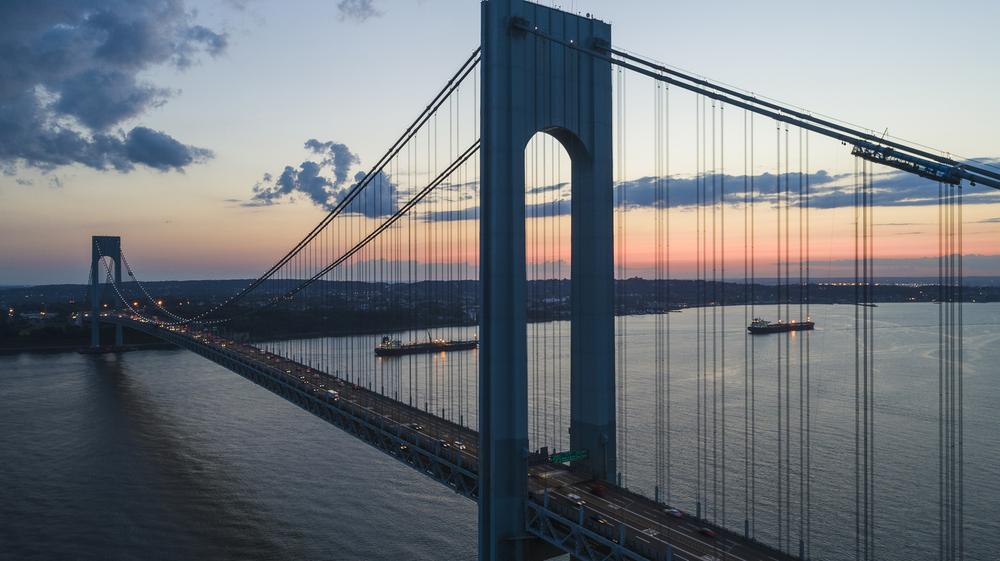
(711, 547)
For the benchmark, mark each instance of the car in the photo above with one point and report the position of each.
(707, 532)
(598, 519)
(577, 500)
(674, 512)
(459, 445)
(599, 489)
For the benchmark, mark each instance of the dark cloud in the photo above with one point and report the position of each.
(99, 99)
(336, 156)
(545, 188)
(994, 220)
(71, 75)
(325, 183)
(468, 213)
(159, 150)
(379, 198)
(890, 188)
(687, 191)
(357, 10)
(827, 191)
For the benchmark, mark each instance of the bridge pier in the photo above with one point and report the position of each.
(529, 86)
(111, 247)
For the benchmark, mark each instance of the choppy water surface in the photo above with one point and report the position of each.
(164, 455)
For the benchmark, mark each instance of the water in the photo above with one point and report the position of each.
(163, 455)
(906, 447)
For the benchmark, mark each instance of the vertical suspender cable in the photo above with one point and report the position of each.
(857, 373)
(619, 409)
(658, 297)
(778, 341)
(808, 360)
(698, 299)
(941, 410)
(715, 333)
(746, 339)
(753, 343)
(722, 292)
(669, 300)
(871, 360)
(788, 352)
(624, 276)
(960, 517)
(800, 203)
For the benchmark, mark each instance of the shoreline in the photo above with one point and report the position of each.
(158, 345)
(57, 349)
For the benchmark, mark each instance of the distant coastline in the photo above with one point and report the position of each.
(51, 319)
(56, 348)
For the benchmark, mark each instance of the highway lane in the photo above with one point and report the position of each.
(457, 443)
(648, 528)
(462, 440)
(645, 521)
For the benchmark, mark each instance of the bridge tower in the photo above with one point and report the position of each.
(110, 247)
(534, 85)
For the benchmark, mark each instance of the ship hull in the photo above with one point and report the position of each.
(782, 328)
(424, 348)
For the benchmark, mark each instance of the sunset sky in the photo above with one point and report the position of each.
(155, 119)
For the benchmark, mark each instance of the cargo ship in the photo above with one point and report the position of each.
(761, 326)
(395, 347)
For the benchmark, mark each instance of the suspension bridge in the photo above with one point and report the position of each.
(500, 216)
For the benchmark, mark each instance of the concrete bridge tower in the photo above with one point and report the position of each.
(110, 247)
(531, 85)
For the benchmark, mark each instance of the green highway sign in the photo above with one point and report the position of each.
(571, 456)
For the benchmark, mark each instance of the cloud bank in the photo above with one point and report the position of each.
(71, 75)
(325, 183)
(827, 191)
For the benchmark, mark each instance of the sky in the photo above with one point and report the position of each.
(156, 119)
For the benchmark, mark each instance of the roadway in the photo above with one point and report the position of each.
(648, 528)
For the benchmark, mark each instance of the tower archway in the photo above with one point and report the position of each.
(531, 85)
(103, 247)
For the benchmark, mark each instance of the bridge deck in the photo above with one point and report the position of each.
(567, 508)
